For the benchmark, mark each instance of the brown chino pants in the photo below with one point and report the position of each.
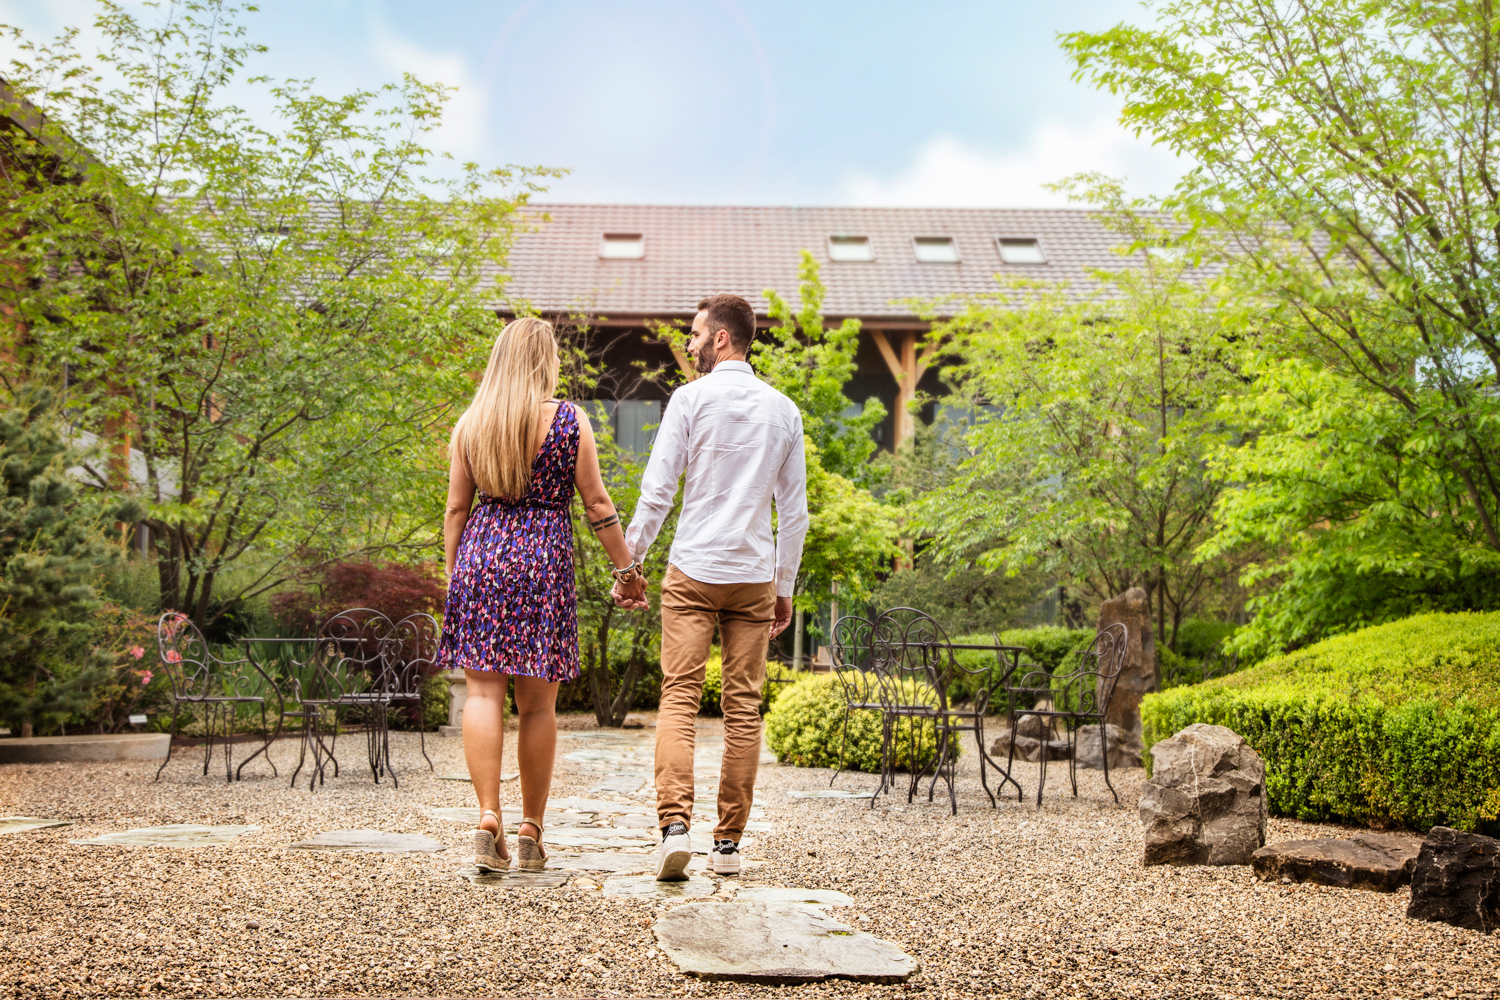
(689, 612)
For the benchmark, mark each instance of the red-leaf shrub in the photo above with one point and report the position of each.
(393, 589)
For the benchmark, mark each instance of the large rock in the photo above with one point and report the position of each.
(1457, 880)
(1381, 862)
(1205, 803)
(1125, 748)
(1138, 676)
(775, 943)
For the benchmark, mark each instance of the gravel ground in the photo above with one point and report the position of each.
(1014, 901)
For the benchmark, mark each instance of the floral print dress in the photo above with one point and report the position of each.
(512, 607)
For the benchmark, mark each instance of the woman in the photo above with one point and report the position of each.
(511, 609)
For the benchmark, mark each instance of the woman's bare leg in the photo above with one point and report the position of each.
(484, 742)
(536, 704)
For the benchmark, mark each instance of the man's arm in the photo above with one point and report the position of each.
(790, 494)
(659, 484)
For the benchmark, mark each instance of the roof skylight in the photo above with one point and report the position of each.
(935, 249)
(622, 246)
(850, 248)
(1021, 251)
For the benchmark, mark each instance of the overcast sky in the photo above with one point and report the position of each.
(798, 102)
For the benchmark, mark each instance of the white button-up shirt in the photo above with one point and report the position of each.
(740, 443)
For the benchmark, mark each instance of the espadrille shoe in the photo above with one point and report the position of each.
(486, 857)
(529, 849)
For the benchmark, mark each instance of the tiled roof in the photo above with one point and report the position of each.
(694, 251)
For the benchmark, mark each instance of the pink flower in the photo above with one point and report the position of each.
(173, 656)
(145, 677)
(137, 651)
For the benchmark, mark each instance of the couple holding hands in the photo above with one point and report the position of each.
(512, 609)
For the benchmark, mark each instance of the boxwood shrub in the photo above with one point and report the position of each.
(805, 728)
(1394, 725)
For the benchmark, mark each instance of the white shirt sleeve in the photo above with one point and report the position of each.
(790, 493)
(659, 484)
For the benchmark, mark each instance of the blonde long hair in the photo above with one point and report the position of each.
(499, 427)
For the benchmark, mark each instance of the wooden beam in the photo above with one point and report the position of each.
(684, 363)
(885, 351)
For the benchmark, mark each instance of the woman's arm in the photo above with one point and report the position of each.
(460, 499)
(597, 506)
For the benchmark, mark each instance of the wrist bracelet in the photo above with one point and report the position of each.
(626, 574)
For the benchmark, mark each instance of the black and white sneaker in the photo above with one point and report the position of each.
(725, 858)
(673, 855)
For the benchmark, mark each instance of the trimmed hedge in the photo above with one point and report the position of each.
(1395, 725)
(805, 728)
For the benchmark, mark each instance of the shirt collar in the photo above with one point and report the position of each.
(733, 366)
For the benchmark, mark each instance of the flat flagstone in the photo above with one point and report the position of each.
(605, 806)
(18, 824)
(778, 894)
(624, 784)
(647, 887)
(585, 837)
(617, 862)
(775, 943)
(470, 814)
(369, 840)
(516, 879)
(829, 793)
(465, 777)
(171, 835)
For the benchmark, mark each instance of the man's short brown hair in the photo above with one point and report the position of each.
(732, 313)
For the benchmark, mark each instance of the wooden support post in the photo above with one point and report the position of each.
(907, 369)
(684, 361)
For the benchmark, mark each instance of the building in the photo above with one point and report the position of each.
(627, 266)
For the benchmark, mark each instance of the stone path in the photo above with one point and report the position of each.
(172, 835)
(20, 824)
(378, 841)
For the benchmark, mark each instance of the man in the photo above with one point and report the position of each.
(739, 441)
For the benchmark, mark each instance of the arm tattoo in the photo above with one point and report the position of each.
(605, 522)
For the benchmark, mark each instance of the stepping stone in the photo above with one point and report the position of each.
(624, 784)
(369, 840)
(588, 755)
(606, 806)
(647, 887)
(585, 837)
(470, 814)
(777, 894)
(602, 862)
(93, 746)
(775, 943)
(1381, 862)
(829, 793)
(465, 777)
(516, 880)
(172, 835)
(18, 824)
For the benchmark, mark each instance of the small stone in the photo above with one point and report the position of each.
(1380, 862)
(775, 943)
(1457, 880)
(634, 722)
(1206, 801)
(252, 925)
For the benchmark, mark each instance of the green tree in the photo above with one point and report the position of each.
(1096, 416)
(811, 365)
(851, 539)
(279, 319)
(53, 546)
(1346, 184)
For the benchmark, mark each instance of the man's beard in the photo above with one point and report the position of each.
(707, 357)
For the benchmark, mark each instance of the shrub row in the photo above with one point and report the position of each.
(1395, 725)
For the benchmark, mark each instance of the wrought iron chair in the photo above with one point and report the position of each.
(411, 656)
(899, 638)
(203, 682)
(354, 671)
(1079, 695)
(929, 659)
(853, 654)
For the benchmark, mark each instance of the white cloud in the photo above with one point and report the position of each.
(947, 172)
(463, 130)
